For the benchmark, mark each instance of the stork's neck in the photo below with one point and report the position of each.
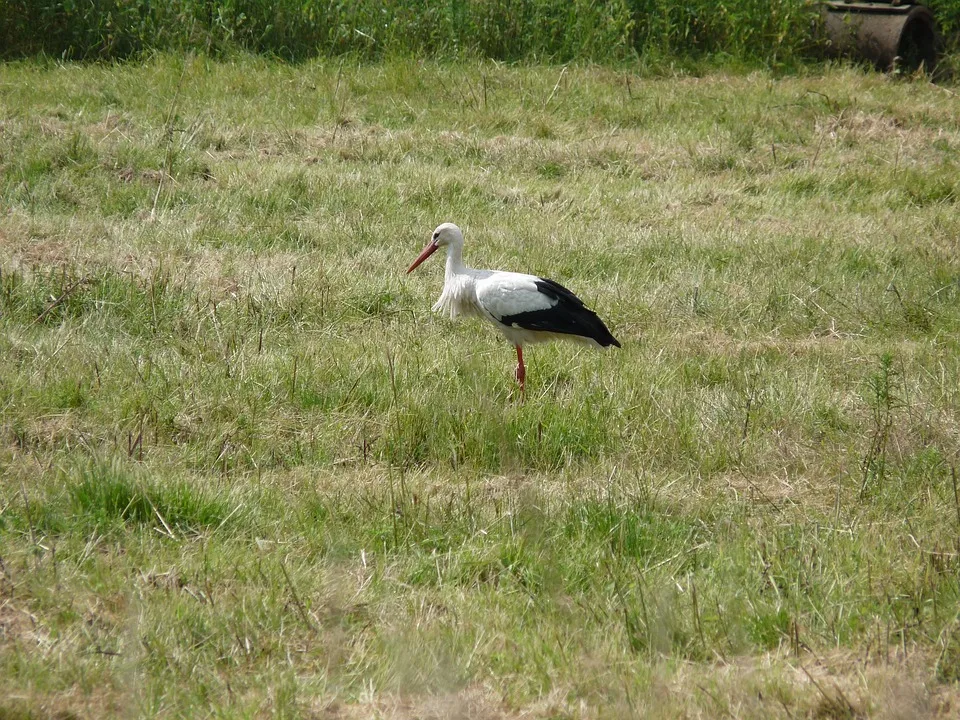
(455, 264)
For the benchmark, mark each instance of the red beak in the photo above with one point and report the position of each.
(429, 250)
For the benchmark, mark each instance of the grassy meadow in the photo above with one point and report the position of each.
(245, 472)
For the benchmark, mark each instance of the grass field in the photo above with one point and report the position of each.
(247, 473)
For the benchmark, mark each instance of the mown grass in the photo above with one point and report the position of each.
(246, 472)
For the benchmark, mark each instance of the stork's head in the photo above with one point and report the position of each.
(446, 234)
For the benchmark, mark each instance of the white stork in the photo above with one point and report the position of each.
(524, 308)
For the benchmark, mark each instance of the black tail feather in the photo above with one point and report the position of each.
(569, 316)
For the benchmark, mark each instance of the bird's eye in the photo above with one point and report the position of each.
(435, 236)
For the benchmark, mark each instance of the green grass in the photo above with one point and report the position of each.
(764, 31)
(664, 33)
(246, 472)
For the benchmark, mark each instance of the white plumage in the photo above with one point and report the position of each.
(524, 308)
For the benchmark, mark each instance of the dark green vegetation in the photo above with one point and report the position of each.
(664, 34)
(244, 471)
(770, 31)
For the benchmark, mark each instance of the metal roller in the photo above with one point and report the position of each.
(889, 34)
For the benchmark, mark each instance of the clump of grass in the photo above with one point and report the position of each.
(108, 496)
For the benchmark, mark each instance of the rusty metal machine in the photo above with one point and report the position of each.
(892, 34)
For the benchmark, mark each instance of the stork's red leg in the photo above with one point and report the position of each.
(521, 370)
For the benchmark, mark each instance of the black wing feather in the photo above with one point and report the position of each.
(569, 316)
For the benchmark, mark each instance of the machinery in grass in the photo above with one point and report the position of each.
(892, 34)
